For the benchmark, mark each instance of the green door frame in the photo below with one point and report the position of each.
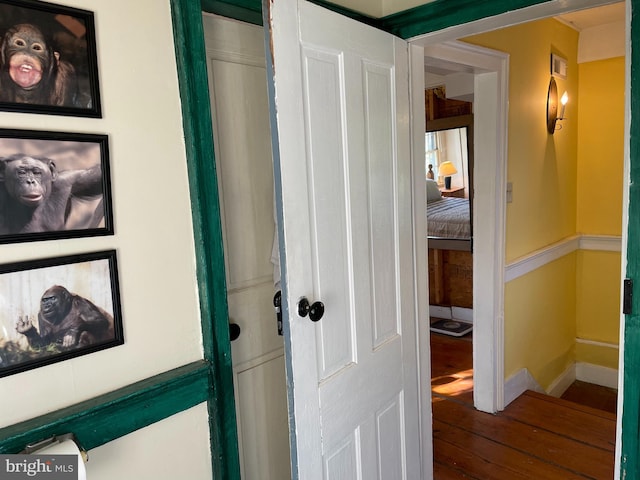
(441, 14)
(630, 452)
(205, 211)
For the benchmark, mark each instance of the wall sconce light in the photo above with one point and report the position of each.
(446, 169)
(552, 107)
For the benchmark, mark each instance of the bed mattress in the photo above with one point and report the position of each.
(448, 217)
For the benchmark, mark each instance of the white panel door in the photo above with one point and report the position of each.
(343, 166)
(239, 104)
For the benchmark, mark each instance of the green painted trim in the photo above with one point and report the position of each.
(406, 24)
(630, 456)
(118, 413)
(249, 11)
(441, 14)
(205, 208)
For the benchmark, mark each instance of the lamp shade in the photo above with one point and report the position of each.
(446, 168)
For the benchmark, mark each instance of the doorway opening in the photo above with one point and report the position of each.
(490, 77)
(582, 244)
(449, 190)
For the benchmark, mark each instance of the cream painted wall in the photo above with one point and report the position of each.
(592, 47)
(380, 8)
(153, 239)
(171, 449)
(366, 7)
(390, 7)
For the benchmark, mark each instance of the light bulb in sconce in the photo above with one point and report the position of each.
(563, 101)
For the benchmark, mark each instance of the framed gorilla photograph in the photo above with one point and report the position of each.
(59, 308)
(53, 185)
(48, 59)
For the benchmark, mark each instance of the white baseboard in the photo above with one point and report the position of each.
(440, 312)
(596, 374)
(564, 381)
(448, 313)
(464, 314)
(519, 383)
(522, 380)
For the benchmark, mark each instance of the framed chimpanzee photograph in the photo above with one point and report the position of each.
(48, 60)
(58, 308)
(53, 185)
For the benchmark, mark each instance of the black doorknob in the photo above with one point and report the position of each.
(234, 331)
(314, 310)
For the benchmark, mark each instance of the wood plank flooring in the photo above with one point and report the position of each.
(602, 398)
(535, 437)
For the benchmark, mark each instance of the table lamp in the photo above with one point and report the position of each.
(446, 169)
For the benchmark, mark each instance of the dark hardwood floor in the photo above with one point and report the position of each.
(535, 437)
(602, 398)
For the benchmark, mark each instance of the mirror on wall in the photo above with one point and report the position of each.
(449, 179)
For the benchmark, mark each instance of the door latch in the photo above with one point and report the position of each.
(277, 302)
(627, 296)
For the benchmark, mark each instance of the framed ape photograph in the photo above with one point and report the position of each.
(48, 60)
(56, 309)
(53, 185)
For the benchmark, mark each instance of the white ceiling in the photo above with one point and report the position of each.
(594, 17)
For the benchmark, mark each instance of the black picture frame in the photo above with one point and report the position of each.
(75, 157)
(70, 33)
(28, 340)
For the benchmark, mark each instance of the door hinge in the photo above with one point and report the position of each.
(627, 297)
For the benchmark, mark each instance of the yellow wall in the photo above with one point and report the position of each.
(563, 184)
(598, 295)
(540, 308)
(601, 147)
(541, 167)
(597, 354)
(599, 200)
(540, 330)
